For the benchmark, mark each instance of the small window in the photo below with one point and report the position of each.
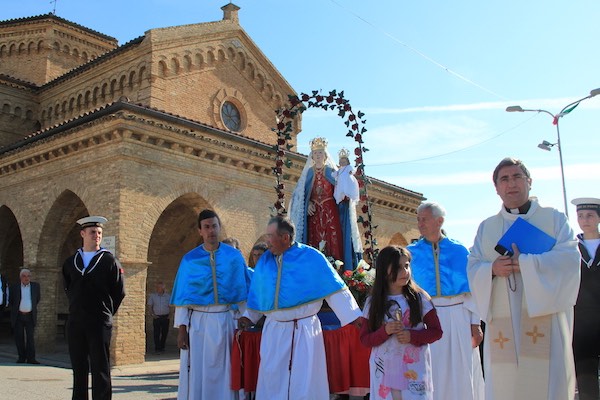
(231, 116)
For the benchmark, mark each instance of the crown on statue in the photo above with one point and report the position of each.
(344, 153)
(318, 144)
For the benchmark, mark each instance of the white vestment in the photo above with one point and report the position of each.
(548, 284)
(308, 377)
(206, 374)
(456, 364)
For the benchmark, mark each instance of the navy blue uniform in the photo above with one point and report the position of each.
(95, 294)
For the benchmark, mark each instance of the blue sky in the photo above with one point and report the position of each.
(432, 77)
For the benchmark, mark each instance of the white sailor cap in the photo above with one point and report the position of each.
(93, 220)
(587, 203)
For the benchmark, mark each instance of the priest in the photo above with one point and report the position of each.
(526, 300)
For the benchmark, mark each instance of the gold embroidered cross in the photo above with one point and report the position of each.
(535, 334)
(501, 339)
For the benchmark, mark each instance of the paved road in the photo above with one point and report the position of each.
(52, 380)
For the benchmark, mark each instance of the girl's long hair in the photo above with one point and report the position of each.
(390, 257)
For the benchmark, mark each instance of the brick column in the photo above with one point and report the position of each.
(129, 337)
(45, 327)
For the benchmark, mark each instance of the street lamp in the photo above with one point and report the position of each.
(545, 145)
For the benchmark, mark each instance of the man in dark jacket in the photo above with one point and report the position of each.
(95, 287)
(24, 298)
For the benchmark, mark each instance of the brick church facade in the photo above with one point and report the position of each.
(147, 134)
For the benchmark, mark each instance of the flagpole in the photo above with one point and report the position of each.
(555, 118)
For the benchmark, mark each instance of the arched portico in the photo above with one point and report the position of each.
(59, 238)
(11, 256)
(174, 234)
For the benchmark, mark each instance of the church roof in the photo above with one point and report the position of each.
(49, 16)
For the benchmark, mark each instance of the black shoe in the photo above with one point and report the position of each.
(21, 361)
(36, 362)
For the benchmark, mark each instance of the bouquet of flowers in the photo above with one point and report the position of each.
(359, 281)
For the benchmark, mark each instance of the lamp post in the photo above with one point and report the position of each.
(545, 145)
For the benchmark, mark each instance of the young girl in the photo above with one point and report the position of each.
(400, 323)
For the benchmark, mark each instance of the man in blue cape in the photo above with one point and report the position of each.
(289, 284)
(439, 266)
(212, 279)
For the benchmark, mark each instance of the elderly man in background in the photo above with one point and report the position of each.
(439, 266)
(24, 298)
(158, 302)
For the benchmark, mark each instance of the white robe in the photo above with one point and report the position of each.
(207, 373)
(308, 378)
(549, 284)
(456, 364)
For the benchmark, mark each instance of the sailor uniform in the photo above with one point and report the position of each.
(586, 332)
(95, 293)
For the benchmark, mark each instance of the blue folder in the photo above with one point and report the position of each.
(528, 238)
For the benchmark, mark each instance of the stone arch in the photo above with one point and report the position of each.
(56, 46)
(141, 74)
(174, 234)
(163, 70)
(79, 101)
(84, 55)
(12, 49)
(175, 65)
(241, 60)
(131, 83)
(59, 224)
(87, 98)
(95, 95)
(269, 90)
(221, 55)
(122, 81)
(187, 63)
(22, 48)
(398, 239)
(260, 81)
(40, 46)
(199, 60)
(113, 87)
(30, 47)
(71, 104)
(6, 108)
(18, 111)
(231, 53)
(103, 91)
(210, 57)
(3, 50)
(11, 245)
(75, 53)
(251, 71)
(66, 49)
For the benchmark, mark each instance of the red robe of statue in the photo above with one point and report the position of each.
(324, 224)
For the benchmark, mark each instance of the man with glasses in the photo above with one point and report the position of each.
(525, 298)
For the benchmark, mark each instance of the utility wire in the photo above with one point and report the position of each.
(420, 53)
(457, 150)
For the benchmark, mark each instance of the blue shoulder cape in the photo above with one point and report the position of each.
(195, 282)
(305, 276)
(452, 271)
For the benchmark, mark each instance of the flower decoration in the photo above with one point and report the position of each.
(359, 281)
(333, 101)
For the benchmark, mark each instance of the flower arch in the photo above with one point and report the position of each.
(354, 122)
